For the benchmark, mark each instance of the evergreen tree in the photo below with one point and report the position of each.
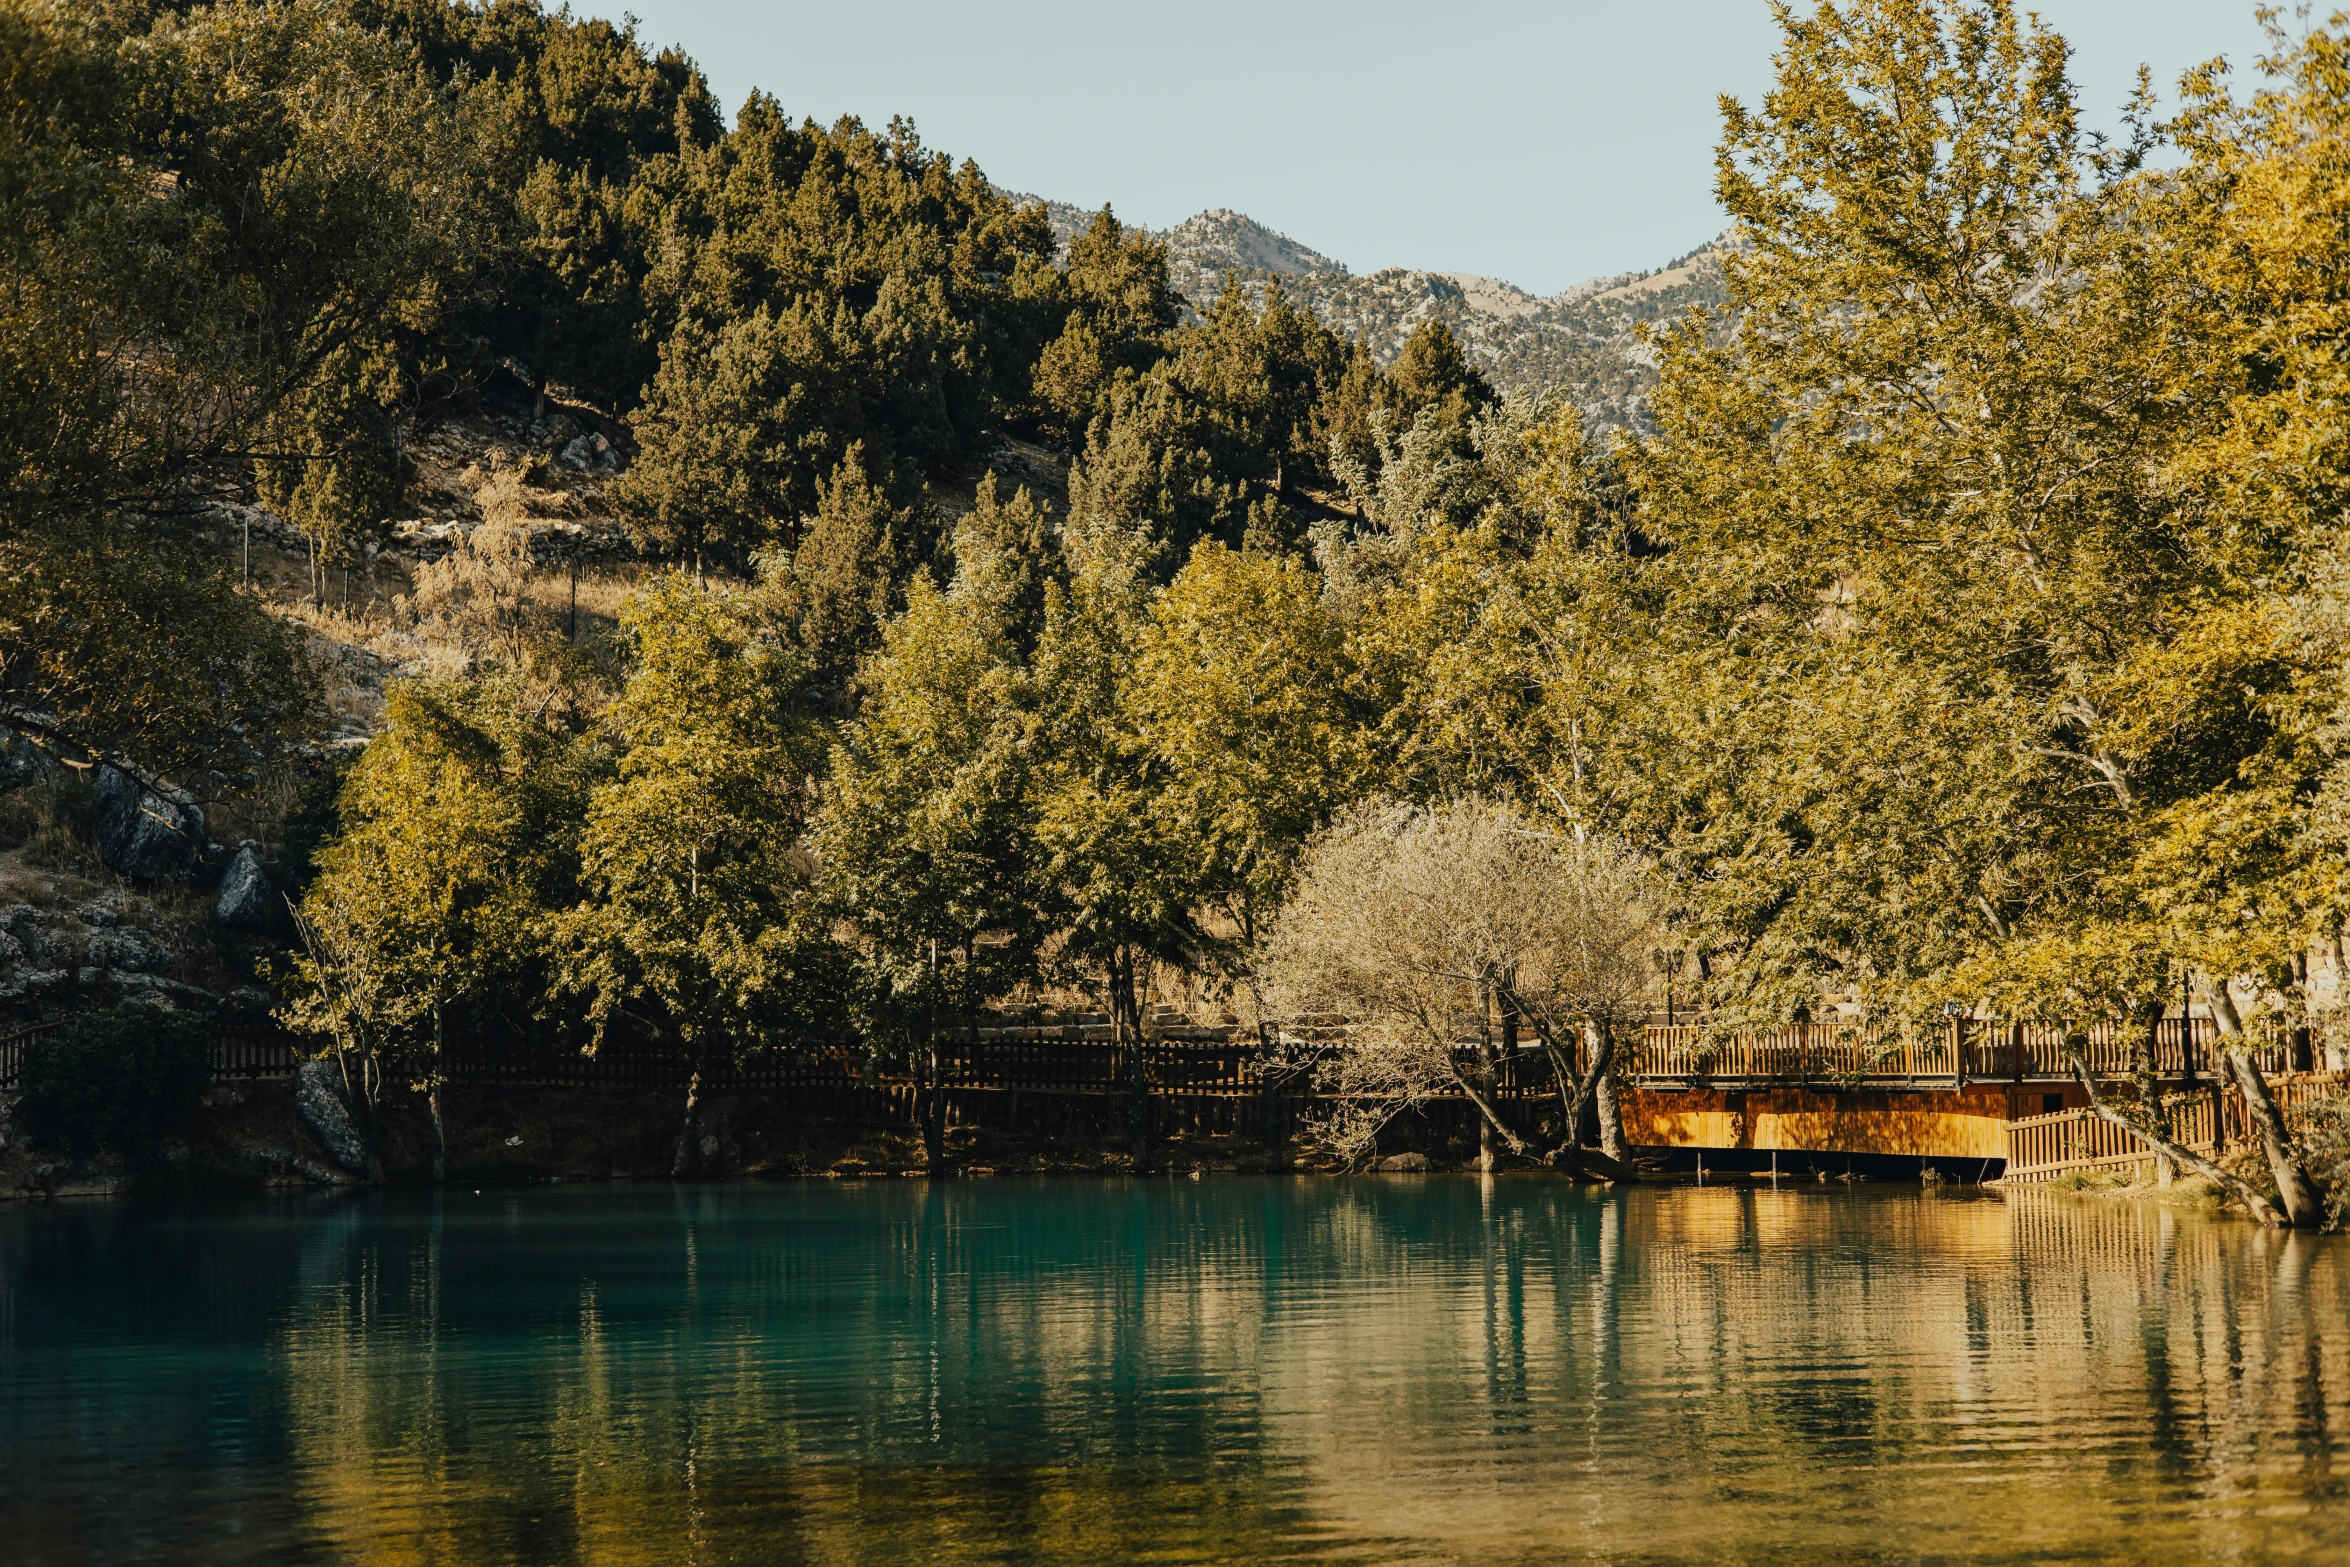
(1956, 644)
(696, 928)
(856, 558)
(1242, 698)
(812, 289)
(582, 104)
(927, 836)
(1120, 306)
(1432, 374)
(1126, 884)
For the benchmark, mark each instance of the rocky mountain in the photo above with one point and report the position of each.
(1579, 343)
(1202, 249)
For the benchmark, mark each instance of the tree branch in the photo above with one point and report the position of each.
(2144, 1128)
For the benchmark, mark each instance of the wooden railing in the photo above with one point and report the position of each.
(1199, 1062)
(2043, 1147)
(237, 1054)
(1962, 1050)
(1026, 1063)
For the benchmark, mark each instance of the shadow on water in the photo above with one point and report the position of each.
(1240, 1370)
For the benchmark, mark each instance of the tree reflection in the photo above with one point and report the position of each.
(1075, 1372)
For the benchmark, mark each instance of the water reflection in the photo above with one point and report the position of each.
(1426, 1369)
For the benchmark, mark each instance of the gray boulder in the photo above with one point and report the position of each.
(128, 949)
(1404, 1163)
(284, 1161)
(147, 835)
(318, 1099)
(246, 902)
(591, 453)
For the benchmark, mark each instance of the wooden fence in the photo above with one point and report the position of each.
(1218, 1062)
(2043, 1147)
(238, 1055)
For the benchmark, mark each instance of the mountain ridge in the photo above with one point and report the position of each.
(1581, 343)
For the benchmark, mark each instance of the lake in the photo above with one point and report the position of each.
(1435, 1369)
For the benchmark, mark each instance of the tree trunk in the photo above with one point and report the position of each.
(934, 1127)
(1126, 1026)
(2304, 1204)
(1492, 1116)
(432, 1100)
(1268, 1069)
(372, 1076)
(1611, 1117)
(359, 1099)
(2304, 1033)
(1487, 1156)
(688, 1162)
(2149, 1084)
(1578, 1098)
(2304, 1207)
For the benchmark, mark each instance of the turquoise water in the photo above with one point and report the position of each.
(1425, 1370)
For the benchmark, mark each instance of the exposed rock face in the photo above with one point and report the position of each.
(590, 453)
(146, 835)
(318, 1098)
(247, 901)
(21, 761)
(1582, 343)
(42, 950)
(127, 949)
(1201, 249)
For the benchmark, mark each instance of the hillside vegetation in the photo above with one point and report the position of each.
(1954, 619)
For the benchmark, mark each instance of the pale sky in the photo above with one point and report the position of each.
(1540, 143)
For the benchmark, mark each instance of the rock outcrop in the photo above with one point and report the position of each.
(318, 1099)
(45, 953)
(247, 901)
(149, 835)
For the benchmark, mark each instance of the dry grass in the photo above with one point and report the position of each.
(374, 637)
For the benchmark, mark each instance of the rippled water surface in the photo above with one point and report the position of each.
(1378, 1370)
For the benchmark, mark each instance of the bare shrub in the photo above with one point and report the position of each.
(482, 591)
(1406, 921)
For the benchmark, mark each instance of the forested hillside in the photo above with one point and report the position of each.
(1959, 623)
